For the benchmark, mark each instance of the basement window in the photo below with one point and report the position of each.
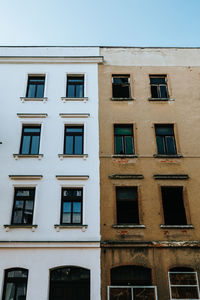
(183, 284)
(159, 86)
(173, 206)
(121, 86)
(127, 205)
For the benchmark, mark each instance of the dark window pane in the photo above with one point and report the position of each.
(185, 292)
(121, 87)
(131, 275)
(157, 80)
(40, 91)
(119, 145)
(75, 87)
(160, 144)
(123, 130)
(154, 91)
(120, 294)
(10, 291)
(35, 87)
(129, 145)
(31, 91)
(35, 145)
(127, 193)
(170, 145)
(25, 145)
(15, 285)
(23, 207)
(183, 279)
(144, 293)
(79, 91)
(164, 130)
(127, 212)
(74, 129)
(17, 219)
(69, 145)
(21, 291)
(71, 91)
(163, 91)
(78, 145)
(33, 129)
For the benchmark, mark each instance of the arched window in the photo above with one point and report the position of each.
(183, 283)
(131, 282)
(15, 284)
(69, 283)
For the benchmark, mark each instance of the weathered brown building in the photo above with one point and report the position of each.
(150, 161)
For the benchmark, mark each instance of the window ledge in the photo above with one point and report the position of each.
(129, 226)
(122, 99)
(70, 226)
(62, 156)
(23, 99)
(177, 226)
(167, 156)
(171, 176)
(25, 177)
(124, 156)
(161, 99)
(23, 226)
(17, 156)
(66, 99)
(126, 176)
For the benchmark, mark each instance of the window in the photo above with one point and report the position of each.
(131, 283)
(127, 205)
(124, 143)
(121, 86)
(165, 139)
(69, 283)
(15, 284)
(35, 88)
(23, 206)
(30, 140)
(183, 284)
(73, 144)
(71, 207)
(173, 206)
(159, 86)
(75, 86)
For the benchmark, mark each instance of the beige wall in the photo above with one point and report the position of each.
(184, 112)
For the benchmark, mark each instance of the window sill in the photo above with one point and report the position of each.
(124, 156)
(62, 156)
(167, 156)
(161, 99)
(176, 226)
(70, 226)
(129, 226)
(66, 99)
(23, 99)
(122, 99)
(17, 156)
(23, 226)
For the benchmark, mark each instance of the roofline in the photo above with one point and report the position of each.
(101, 46)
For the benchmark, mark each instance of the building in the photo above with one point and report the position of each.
(49, 209)
(149, 156)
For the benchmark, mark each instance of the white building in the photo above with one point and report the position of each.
(49, 208)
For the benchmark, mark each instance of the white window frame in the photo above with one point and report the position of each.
(132, 288)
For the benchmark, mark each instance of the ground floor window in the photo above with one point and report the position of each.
(69, 283)
(131, 283)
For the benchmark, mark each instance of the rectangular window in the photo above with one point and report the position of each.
(71, 208)
(165, 139)
(183, 285)
(73, 144)
(35, 88)
(159, 86)
(30, 140)
(124, 143)
(23, 206)
(121, 86)
(127, 205)
(75, 86)
(173, 206)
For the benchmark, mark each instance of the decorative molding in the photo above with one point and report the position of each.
(17, 156)
(190, 226)
(22, 226)
(25, 177)
(23, 99)
(126, 176)
(22, 115)
(129, 226)
(171, 176)
(168, 156)
(72, 177)
(124, 156)
(70, 226)
(76, 115)
(122, 99)
(161, 99)
(62, 156)
(66, 99)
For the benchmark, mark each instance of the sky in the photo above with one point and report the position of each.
(137, 23)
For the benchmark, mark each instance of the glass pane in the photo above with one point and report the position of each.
(120, 294)
(28, 212)
(164, 130)
(183, 278)
(160, 145)
(73, 79)
(79, 91)
(17, 273)
(40, 91)
(119, 145)
(77, 207)
(10, 291)
(170, 145)
(74, 129)
(124, 130)
(76, 218)
(69, 145)
(157, 80)
(21, 291)
(31, 91)
(25, 145)
(66, 218)
(184, 293)
(127, 193)
(35, 145)
(67, 206)
(144, 293)
(78, 145)
(129, 145)
(121, 80)
(36, 79)
(23, 193)
(127, 212)
(33, 129)
(71, 91)
(163, 91)
(19, 204)
(154, 91)
(72, 193)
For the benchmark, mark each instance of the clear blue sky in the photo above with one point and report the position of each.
(103, 22)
